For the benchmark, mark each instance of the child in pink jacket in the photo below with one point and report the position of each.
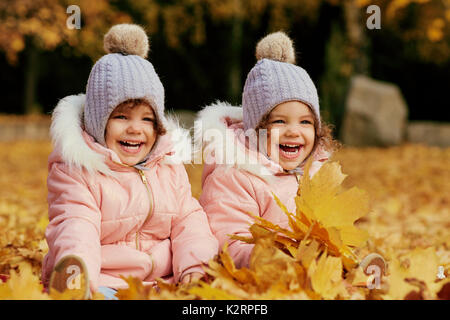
(253, 152)
(119, 198)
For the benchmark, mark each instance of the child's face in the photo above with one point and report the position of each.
(294, 122)
(130, 132)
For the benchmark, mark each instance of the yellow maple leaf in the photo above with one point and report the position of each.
(224, 280)
(270, 264)
(207, 292)
(272, 274)
(307, 252)
(415, 271)
(22, 285)
(322, 201)
(242, 275)
(326, 276)
(324, 211)
(135, 290)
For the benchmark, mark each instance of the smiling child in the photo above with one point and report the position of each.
(120, 202)
(280, 107)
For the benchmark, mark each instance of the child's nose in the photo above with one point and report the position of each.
(293, 130)
(134, 127)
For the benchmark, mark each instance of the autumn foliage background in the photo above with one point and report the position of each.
(404, 213)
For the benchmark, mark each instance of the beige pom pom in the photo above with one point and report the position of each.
(276, 46)
(126, 39)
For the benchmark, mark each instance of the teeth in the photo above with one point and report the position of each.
(290, 145)
(130, 144)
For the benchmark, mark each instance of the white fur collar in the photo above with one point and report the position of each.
(213, 118)
(66, 133)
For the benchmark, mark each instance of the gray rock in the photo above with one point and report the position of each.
(375, 114)
(430, 133)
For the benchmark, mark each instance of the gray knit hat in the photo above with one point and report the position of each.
(120, 75)
(276, 79)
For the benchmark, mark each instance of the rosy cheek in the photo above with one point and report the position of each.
(107, 139)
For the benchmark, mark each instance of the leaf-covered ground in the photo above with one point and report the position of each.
(400, 203)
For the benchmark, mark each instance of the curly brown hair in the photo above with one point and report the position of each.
(323, 136)
(130, 103)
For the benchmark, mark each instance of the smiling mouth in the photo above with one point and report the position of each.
(131, 146)
(290, 151)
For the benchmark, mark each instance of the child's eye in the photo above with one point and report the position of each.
(278, 121)
(306, 122)
(120, 116)
(149, 119)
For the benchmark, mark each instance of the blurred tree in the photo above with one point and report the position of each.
(334, 81)
(421, 24)
(428, 30)
(36, 26)
(182, 19)
(424, 24)
(29, 28)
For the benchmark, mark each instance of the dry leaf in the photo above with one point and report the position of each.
(326, 276)
(406, 194)
(22, 285)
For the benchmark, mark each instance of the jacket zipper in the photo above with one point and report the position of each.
(150, 197)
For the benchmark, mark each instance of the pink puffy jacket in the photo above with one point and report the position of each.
(121, 220)
(237, 180)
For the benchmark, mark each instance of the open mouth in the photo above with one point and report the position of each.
(131, 146)
(290, 151)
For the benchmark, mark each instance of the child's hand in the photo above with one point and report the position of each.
(188, 278)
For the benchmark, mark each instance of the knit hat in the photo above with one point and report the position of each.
(122, 74)
(276, 79)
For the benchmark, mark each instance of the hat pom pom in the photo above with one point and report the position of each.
(128, 39)
(276, 46)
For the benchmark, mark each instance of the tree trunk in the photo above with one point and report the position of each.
(235, 73)
(31, 80)
(358, 42)
(335, 78)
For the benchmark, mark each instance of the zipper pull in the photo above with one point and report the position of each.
(298, 181)
(144, 179)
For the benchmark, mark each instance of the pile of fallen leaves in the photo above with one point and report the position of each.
(25, 119)
(393, 202)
